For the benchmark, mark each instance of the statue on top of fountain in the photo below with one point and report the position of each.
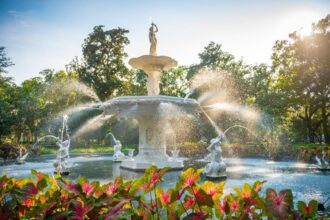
(153, 64)
(216, 168)
(152, 38)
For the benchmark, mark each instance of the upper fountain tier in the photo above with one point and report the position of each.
(137, 106)
(152, 64)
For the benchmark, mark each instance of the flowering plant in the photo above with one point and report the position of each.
(45, 197)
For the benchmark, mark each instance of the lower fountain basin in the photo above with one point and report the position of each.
(153, 114)
(138, 165)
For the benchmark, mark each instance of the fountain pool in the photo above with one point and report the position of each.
(304, 179)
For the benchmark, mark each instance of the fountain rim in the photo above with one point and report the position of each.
(152, 63)
(153, 99)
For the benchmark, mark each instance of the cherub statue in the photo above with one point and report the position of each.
(152, 38)
(216, 167)
(117, 154)
(21, 158)
(215, 150)
(61, 165)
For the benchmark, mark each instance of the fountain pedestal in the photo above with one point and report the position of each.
(152, 145)
(152, 134)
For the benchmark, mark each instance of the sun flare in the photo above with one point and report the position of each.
(300, 21)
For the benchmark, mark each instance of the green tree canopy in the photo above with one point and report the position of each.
(103, 66)
(303, 66)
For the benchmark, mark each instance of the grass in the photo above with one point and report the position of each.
(88, 150)
(309, 145)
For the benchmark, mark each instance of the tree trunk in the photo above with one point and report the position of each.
(325, 125)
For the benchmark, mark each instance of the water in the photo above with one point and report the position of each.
(305, 181)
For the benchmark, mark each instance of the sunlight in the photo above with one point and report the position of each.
(300, 21)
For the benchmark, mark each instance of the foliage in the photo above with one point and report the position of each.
(302, 64)
(45, 197)
(5, 61)
(103, 66)
(173, 82)
(10, 150)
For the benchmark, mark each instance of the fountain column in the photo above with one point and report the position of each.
(152, 145)
(152, 129)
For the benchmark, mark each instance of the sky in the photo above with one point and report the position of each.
(40, 34)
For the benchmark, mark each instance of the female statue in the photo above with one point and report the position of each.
(152, 38)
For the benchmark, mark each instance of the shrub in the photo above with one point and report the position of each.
(10, 150)
(46, 197)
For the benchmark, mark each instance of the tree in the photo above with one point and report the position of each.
(5, 62)
(103, 66)
(7, 96)
(303, 68)
(213, 57)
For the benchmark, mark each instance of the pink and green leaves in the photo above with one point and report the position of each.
(279, 205)
(189, 178)
(56, 198)
(309, 210)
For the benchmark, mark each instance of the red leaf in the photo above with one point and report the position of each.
(29, 189)
(115, 210)
(79, 210)
(196, 216)
(87, 188)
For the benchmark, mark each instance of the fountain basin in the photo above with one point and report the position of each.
(154, 114)
(151, 63)
(132, 106)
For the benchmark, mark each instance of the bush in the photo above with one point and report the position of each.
(56, 198)
(10, 150)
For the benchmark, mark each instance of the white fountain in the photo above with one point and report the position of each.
(21, 158)
(63, 142)
(322, 163)
(118, 156)
(151, 112)
(216, 168)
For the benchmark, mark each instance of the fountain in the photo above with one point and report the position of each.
(21, 158)
(322, 163)
(63, 142)
(150, 111)
(216, 168)
(118, 156)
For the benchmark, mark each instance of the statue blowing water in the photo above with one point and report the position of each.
(216, 168)
(152, 38)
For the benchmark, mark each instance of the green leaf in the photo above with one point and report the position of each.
(308, 211)
(203, 199)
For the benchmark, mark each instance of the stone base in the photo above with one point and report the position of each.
(143, 165)
(217, 178)
(64, 173)
(323, 168)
